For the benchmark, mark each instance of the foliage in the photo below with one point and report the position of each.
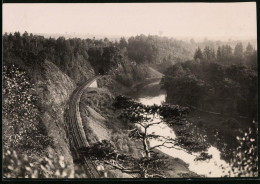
(245, 160)
(105, 58)
(124, 144)
(103, 150)
(155, 49)
(106, 153)
(198, 54)
(144, 117)
(226, 56)
(70, 55)
(77, 57)
(231, 89)
(21, 113)
(22, 166)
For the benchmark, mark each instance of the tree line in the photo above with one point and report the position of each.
(227, 56)
(31, 50)
(213, 86)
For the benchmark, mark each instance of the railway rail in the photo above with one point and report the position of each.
(75, 129)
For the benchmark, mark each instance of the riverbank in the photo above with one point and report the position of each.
(96, 105)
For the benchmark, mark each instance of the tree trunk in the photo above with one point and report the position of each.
(145, 144)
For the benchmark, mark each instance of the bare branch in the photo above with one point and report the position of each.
(132, 130)
(151, 124)
(125, 170)
(163, 145)
(140, 124)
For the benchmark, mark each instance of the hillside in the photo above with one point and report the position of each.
(128, 75)
(52, 89)
(54, 92)
(101, 122)
(40, 74)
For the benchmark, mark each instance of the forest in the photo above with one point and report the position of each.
(220, 89)
(221, 81)
(226, 89)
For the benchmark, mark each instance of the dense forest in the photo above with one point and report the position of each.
(219, 78)
(226, 56)
(225, 82)
(101, 54)
(220, 89)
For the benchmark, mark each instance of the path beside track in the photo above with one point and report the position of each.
(75, 129)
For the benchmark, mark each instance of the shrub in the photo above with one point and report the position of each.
(21, 166)
(20, 112)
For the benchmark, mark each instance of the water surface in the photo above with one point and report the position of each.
(150, 94)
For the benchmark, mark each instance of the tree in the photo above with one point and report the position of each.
(183, 86)
(212, 53)
(16, 165)
(219, 54)
(245, 158)
(21, 116)
(206, 53)
(238, 51)
(140, 120)
(249, 49)
(224, 54)
(143, 118)
(252, 60)
(198, 54)
(122, 43)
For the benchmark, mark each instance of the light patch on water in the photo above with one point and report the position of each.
(93, 84)
(208, 168)
(157, 100)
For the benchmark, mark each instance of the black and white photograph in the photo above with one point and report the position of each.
(129, 90)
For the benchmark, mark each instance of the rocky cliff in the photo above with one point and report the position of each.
(54, 90)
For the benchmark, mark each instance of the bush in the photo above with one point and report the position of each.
(245, 158)
(21, 166)
(20, 113)
(124, 144)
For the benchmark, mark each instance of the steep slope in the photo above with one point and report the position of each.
(154, 73)
(80, 70)
(99, 121)
(128, 75)
(54, 90)
(94, 123)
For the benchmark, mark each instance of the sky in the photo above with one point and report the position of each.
(207, 20)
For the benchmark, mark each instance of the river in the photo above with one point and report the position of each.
(150, 94)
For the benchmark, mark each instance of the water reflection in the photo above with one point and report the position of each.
(153, 100)
(210, 168)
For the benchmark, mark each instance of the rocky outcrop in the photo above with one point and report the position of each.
(81, 70)
(54, 90)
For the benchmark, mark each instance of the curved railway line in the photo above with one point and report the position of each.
(75, 129)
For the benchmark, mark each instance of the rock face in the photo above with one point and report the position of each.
(54, 90)
(81, 70)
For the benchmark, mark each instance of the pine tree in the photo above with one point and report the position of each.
(198, 54)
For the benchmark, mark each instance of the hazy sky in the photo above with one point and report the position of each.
(173, 19)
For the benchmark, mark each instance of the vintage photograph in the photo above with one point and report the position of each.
(129, 90)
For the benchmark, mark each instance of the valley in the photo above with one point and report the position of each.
(141, 108)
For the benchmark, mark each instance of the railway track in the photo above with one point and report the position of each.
(76, 132)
